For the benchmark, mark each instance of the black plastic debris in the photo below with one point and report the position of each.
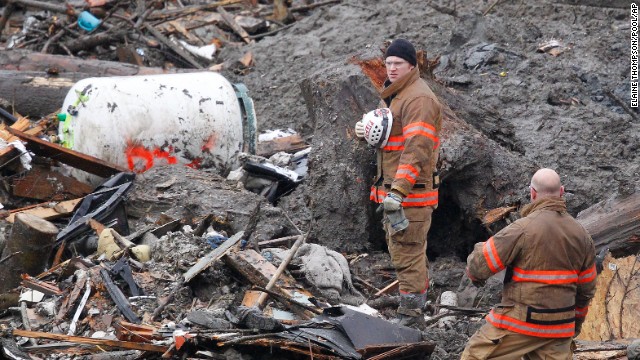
(283, 180)
(122, 269)
(357, 325)
(105, 205)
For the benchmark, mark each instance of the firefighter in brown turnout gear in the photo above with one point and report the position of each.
(404, 184)
(549, 281)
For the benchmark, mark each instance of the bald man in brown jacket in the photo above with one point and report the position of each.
(550, 279)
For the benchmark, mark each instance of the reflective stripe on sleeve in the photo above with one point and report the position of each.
(491, 256)
(421, 129)
(408, 172)
(416, 200)
(587, 275)
(395, 143)
(581, 312)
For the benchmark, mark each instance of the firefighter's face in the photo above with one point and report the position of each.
(397, 67)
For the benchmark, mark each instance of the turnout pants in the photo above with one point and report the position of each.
(408, 250)
(489, 342)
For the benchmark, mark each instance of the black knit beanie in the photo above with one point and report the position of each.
(403, 49)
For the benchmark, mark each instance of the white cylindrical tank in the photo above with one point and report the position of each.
(193, 119)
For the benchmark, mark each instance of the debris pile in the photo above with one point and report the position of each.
(176, 288)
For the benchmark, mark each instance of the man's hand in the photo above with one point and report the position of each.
(476, 282)
(392, 202)
(360, 129)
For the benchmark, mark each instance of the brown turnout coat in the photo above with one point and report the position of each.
(550, 271)
(406, 164)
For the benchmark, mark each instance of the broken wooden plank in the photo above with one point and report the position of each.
(389, 288)
(45, 184)
(497, 214)
(228, 19)
(76, 159)
(8, 155)
(279, 241)
(259, 271)
(46, 211)
(206, 261)
(42, 286)
(69, 301)
(91, 341)
(289, 144)
(283, 265)
(173, 46)
(126, 331)
(188, 10)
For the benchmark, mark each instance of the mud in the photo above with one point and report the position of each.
(552, 110)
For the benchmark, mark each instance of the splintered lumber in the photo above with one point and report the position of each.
(228, 19)
(389, 288)
(202, 264)
(32, 238)
(212, 256)
(46, 211)
(45, 184)
(288, 144)
(613, 224)
(91, 341)
(259, 271)
(70, 157)
(192, 9)
(613, 312)
(173, 46)
(283, 266)
(8, 154)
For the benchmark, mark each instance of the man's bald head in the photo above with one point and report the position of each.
(545, 183)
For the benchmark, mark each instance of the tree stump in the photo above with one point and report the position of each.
(613, 224)
(31, 241)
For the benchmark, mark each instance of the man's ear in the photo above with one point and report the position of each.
(561, 190)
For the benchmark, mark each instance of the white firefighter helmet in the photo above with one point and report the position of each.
(377, 126)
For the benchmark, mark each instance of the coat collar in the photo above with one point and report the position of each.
(396, 87)
(551, 203)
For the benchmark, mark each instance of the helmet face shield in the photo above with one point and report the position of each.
(377, 127)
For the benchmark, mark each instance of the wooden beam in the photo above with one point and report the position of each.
(70, 157)
(90, 341)
(45, 211)
(234, 26)
(289, 144)
(389, 288)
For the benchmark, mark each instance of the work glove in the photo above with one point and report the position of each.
(476, 282)
(360, 129)
(392, 202)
